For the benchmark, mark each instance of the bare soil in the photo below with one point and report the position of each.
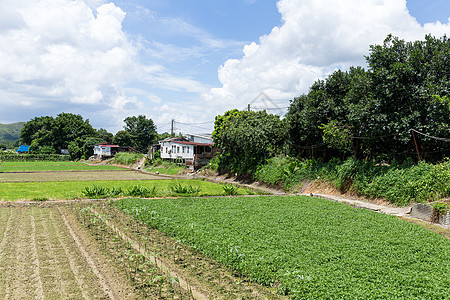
(44, 254)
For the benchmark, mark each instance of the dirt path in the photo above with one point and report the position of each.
(45, 255)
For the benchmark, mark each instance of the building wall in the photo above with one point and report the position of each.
(171, 150)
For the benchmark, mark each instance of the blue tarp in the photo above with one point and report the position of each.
(23, 149)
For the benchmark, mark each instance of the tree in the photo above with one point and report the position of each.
(247, 139)
(123, 138)
(142, 132)
(106, 136)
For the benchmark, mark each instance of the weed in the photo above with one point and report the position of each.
(96, 191)
(140, 191)
(185, 189)
(230, 189)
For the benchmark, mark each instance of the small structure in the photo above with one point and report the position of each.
(105, 150)
(23, 149)
(195, 150)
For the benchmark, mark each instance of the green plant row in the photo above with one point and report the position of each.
(305, 247)
(397, 183)
(98, 191)
(33, 157)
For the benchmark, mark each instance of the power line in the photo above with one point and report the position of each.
(430, 136)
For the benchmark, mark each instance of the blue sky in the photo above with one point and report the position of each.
(186, 60)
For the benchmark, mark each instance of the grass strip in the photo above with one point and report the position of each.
(307, 248)
(13, 191)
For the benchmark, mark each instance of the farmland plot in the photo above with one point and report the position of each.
(43, 255)
(307, 248)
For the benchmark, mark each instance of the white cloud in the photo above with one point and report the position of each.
(74, 55)
(316, 38)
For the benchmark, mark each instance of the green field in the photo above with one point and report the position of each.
(50, 166)
(53, 190)
(307, 248)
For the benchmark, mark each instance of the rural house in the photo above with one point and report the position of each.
(194, 150)
(105, 150)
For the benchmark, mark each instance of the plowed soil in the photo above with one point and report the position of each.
(44, 254)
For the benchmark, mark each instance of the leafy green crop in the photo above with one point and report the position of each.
(308, 248)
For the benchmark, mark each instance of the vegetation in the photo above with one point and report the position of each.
(32, 166)
(397, 183)
(9, 135)
(185, 189)
(8, 156)
(12, 191)
(48, 135)
(97, 191)
(308, 248)
(368, 114)
(164, 167)
(127, 158)
(246, 139)
(139, 132)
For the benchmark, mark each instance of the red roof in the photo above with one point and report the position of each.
(108, 145)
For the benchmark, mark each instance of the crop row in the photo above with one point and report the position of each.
(307, 247)
(150, 282)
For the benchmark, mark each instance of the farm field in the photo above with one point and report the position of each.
(45, 255)
(35, 166)
(306, 247)
(68, 190)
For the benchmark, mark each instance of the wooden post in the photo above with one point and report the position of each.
(415, 143)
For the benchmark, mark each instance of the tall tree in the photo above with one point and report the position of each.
(247, 139)
(142, 132)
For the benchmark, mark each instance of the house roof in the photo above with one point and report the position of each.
(173, 139)
(23, 148)
(107, 145)
(192, 143)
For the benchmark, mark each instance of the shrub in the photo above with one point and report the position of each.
(230, 189)
(140, 191)
(185, 189)
(96, 191)
(127, 158)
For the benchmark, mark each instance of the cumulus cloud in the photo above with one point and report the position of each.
(62, 51)
(316, 38)
(73, 55)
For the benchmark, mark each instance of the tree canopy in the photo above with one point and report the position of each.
(66, 131)
(141, 131)
(371, 113)
(247, 138)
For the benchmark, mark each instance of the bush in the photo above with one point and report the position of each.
(397, 183)
(230, 189)
(139, 191)
(185, 189)
(127, 158)
(8, 156)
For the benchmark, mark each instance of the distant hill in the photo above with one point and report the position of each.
(10, 132)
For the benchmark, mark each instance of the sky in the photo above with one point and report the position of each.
(187, 60)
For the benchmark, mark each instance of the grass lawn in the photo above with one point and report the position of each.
(13, 191)
(308, 248)
(26, 166)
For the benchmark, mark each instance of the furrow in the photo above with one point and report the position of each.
(103, 282)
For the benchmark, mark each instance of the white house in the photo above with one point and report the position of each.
(105, 150)
(195, 151)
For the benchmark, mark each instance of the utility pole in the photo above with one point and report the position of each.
(248, 107)
(171, 128)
